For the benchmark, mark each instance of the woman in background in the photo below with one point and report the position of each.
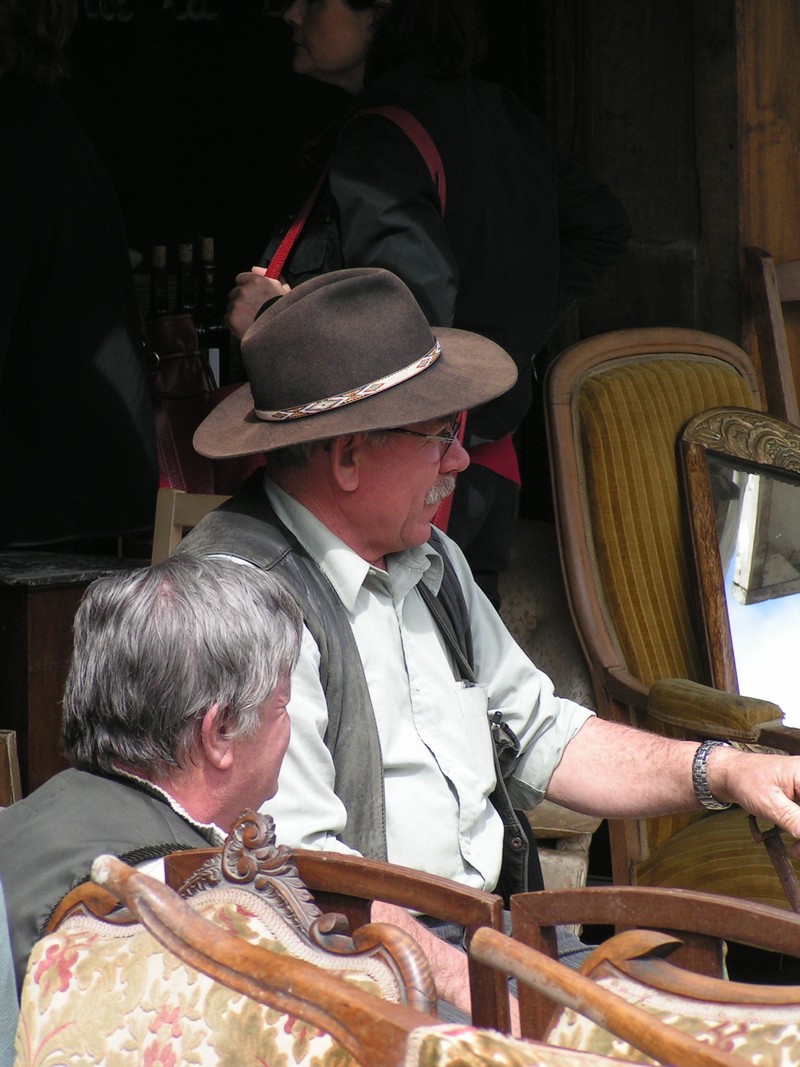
(525, 231)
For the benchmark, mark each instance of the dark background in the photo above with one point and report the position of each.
(201, 121)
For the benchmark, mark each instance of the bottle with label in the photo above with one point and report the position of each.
(159, 282)
(215, 337)
(185, 290)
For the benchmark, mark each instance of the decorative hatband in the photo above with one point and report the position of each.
(339, 400)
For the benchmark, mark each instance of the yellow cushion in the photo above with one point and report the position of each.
(630, 418)
(716, 854)
(703, 710)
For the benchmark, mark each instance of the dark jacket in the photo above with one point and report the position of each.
(525, 231)
(77, 458)
(49, 839)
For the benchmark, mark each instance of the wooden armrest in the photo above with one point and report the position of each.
(783, 738)
(624, 688)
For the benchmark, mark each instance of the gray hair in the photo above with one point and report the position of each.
(156, 648)
(298, 456)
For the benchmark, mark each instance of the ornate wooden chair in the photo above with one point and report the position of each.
(183, 980)
(628, 1000)
(705, 923)
(616, 405)
(250, 893)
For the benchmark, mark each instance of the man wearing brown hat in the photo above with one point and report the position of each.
(411, 703)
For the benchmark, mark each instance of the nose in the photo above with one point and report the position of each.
(291, 15)
(455, 459)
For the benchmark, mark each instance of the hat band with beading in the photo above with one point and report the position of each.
(339, 400)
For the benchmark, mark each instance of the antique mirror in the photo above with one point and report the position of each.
(742, 478)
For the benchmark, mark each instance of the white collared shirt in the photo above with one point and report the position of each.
(434, 734)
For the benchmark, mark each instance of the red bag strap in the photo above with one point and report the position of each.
(419, 137)
(422, 141)
(275, 265)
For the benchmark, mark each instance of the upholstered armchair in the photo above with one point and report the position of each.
(616, 404)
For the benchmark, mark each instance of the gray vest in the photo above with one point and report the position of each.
(247, 527)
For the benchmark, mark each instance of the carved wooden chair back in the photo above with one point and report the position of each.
(769, 287)
(250, 893)
(348, 885)
(590, 1017)
(705, 923)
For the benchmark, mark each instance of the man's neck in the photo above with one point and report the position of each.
(317, 498)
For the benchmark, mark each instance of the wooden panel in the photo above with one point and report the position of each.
(37, 642)
(768, 74)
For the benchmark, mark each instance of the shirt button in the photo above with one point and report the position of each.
(517, 843)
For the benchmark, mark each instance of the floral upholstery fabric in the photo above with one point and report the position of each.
(464, 1046)
(95, 993)
(765, 1035)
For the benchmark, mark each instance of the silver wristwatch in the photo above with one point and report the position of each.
(700, 776)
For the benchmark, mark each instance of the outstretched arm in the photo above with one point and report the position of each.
(618, 772)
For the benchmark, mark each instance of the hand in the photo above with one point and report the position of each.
(252, 290)
(766, 785)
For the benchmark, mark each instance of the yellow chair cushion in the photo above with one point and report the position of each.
(630, 418)
(715, 854)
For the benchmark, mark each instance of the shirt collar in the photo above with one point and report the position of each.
(345, 569)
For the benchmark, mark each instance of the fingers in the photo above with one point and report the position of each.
(252, 290)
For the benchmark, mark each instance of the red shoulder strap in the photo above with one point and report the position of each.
(422, 141)
(419, 137)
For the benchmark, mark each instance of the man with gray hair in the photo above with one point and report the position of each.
(174, 720)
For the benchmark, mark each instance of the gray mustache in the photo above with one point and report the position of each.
(441, 489)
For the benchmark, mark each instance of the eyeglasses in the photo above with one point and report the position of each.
(444, 439)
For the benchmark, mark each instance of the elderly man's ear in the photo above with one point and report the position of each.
(345, 455)
(218, 747)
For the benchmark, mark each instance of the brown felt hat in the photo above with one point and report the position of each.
(346, 352)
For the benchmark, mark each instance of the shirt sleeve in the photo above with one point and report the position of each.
(306, 811)
(390, 215)
(543, 722)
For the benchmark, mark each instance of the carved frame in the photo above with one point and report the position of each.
(755, 440)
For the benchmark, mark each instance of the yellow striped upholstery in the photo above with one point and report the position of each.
(715, 854)
(630, 417)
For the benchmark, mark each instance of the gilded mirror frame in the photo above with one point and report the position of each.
(758, 442)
